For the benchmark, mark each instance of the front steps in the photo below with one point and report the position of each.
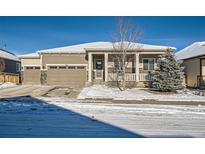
(98, 81)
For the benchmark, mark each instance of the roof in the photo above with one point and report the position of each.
(82, 48)
(30, 55)
(194, 50)
(8, 55)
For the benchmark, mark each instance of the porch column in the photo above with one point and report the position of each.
(106, 66)
(90, 59)
(137, 66)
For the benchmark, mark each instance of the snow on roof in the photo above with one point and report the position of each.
(30, 55)
(82, 48)
(8, 55)
(194, 50)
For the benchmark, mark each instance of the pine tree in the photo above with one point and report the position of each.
(169, 75)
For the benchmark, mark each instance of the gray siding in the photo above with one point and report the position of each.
(10, 66)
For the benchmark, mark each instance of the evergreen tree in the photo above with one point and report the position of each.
(169, 75)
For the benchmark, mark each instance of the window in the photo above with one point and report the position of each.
(148, 64)
(37, 68)
(80, 67)
(53, 67)
(29, 67)
(71, 67)
(62, 67)
(99, 64)
(18, 67)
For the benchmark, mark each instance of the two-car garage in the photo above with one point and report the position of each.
(55, 67)
(65, 75)
(72, 75)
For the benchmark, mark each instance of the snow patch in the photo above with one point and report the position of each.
(102, 91)
(6, 84)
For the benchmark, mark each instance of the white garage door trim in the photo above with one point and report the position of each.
(47, 65)
(29, 66)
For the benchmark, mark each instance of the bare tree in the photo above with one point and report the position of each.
(124, 40)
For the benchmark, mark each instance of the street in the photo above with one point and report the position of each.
(65, 117)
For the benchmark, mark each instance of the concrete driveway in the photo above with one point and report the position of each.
(23, 90)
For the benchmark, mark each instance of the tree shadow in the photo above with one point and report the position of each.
(30, 117)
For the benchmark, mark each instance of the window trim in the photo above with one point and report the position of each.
(148, 64)
(18, 67)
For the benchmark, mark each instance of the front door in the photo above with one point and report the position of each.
(98, 68)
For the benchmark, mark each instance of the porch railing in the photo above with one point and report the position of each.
(116, 77)
(201, 80)
(145, 77)
(130, 77)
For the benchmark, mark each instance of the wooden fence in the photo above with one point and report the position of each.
(9, 77)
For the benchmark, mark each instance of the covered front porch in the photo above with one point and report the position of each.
(101, 67)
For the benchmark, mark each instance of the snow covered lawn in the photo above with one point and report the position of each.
(104, 92)
(64, 117)
(6, 84)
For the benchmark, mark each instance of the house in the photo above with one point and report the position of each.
(9, 62)
(193, 58)
(89, 63)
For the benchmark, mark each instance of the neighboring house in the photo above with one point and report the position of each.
(9, 61)
(193, 58)
(88, 63)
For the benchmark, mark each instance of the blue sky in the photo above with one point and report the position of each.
(28, 34)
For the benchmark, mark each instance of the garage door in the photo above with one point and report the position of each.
(32, 75)
(66, 75)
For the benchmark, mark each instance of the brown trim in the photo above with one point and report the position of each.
(201, 65)
(200, 77)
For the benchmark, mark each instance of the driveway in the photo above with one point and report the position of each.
(23, 90)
